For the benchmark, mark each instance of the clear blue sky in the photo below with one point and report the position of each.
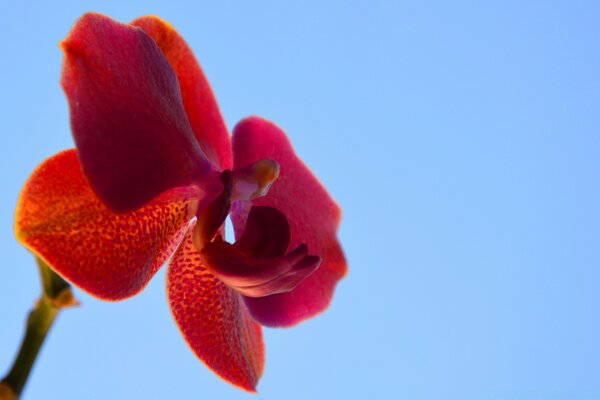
(462, 139)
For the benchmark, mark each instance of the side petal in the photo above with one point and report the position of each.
(198, 99)
(127, 115)
(312, 214)
(111, 256)
(213, 320)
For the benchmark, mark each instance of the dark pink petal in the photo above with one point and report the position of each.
(312, 214)
(127, 116)
(214, 320)
(198, 99)
(257, 265)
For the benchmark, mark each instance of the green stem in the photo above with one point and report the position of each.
(56, 294)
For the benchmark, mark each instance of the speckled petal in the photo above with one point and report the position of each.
(127, 114)
(111, 256)
(312, 214)
(199, 101)
(214, 320)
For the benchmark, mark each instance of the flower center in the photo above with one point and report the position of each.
(244, 183)
(254, 180)
(258, 264)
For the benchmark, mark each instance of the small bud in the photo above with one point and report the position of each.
(65, 299)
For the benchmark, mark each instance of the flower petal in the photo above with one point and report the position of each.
(312, 214)
(257, 264)
(198, 98)
(111, 256)
(214, 320)
(127, 115)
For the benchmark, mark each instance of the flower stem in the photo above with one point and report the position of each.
(56, 294)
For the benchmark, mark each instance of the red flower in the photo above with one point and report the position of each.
(153, 178)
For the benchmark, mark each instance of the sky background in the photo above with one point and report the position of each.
(462, 140)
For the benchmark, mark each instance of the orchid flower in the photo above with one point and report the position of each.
(153, 178)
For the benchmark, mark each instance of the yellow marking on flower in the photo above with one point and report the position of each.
(254, 180)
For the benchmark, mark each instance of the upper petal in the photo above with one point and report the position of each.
(214, 320)
(312, 214)
(127, 115)
(111, 256)
(198, 98)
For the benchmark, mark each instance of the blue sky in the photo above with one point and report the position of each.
(462, 140)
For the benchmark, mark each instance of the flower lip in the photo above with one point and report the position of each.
(257, 264)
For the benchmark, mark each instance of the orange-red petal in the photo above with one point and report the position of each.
(213, 320)
(311, 212)
(111, 256)
(198, 99)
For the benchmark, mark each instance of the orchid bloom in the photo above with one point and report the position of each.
(152, 179)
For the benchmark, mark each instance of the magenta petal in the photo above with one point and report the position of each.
(198, 99)
(257, 265)
(312, 214)
(128, 120)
